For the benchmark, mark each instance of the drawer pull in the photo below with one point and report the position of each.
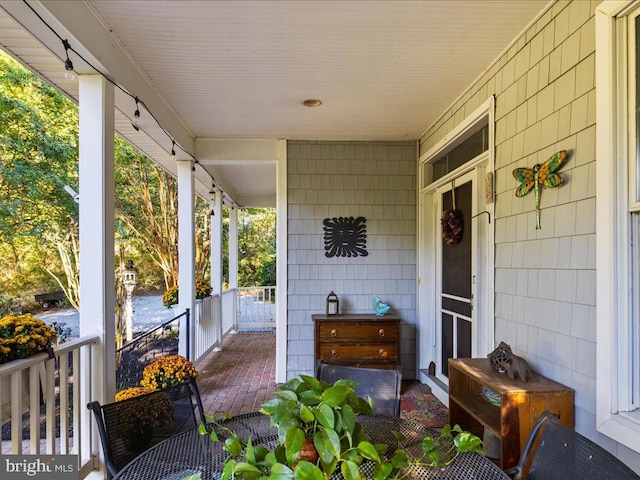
(334, 332)
(381, 332)
(334, 353)
(382, 352)
(357, 364)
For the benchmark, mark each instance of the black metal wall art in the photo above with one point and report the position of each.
(345, 237)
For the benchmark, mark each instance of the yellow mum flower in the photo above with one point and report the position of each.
(167, 372)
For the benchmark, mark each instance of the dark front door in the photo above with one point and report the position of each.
(456, 292)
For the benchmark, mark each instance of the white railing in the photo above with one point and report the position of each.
(207, 326)
(64, 385)
(229, 313)
(256, 308)
(244, 308)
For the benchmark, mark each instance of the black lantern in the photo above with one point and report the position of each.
(333, 304)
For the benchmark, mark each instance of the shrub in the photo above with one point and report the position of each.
(170, 296)
(22, 336)
(167, 371)
(156, 411)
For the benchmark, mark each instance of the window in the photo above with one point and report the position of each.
(618, 220)
(462, 153)
(465, 143)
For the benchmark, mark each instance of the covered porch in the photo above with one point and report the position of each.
(361, 109)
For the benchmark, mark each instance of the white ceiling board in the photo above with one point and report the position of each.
(385, 70)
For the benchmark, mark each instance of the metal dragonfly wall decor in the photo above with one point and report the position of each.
(540, 175)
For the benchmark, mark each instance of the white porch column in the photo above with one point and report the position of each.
(216, 258)
(233, 248)
(97, 191)
(233, 263)
(186, 254)
(216, 243)
(281, 270)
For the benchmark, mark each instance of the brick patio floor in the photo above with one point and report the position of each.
(240, 377)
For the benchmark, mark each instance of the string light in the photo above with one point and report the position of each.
(68, 64)
(137, 112)
(136, 116)
(70, 75)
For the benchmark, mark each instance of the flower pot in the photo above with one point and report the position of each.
(308, 452)
(137, 436)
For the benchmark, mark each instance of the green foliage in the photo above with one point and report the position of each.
(38, 156)
(9, 306)
(257, 247)
(307, 408)
(442, 450)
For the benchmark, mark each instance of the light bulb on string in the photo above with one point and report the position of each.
(136, 115)
(68, 64)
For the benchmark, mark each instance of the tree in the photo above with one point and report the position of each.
(68, 244)
(38, 152)
(147, 208)
(257, 247)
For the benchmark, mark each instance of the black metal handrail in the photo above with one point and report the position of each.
(145, 348)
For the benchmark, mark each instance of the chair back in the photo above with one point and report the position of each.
(382, 385)
(563, 453)
(129, 427)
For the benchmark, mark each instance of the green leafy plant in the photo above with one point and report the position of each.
(442, 450)
(306, 410)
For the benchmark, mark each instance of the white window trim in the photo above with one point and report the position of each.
(614, 319)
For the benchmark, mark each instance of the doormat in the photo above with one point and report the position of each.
(419, 405)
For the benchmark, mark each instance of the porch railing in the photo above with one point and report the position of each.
(44, 403)
(256, 308)
(243, 309)
(144, 349)
(207, 330)
(229, 310)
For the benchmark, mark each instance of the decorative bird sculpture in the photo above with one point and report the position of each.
(379, 307)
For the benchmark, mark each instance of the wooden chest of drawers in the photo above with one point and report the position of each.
(362, 340)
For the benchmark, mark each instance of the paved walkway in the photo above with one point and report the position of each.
(241, 377)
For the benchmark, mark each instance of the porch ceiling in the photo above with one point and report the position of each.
(384, 70)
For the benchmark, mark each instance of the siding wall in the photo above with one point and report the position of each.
(350, 179)
(545, 280)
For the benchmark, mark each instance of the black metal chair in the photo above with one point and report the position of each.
(129, 427)
(562, 454)
(382, 385)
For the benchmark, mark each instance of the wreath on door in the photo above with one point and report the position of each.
(451, 227)
(451, 222)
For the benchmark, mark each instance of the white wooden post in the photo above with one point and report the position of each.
(96, 219)
(216, 256)
(233, 262)
(281, 273)
(216, 243)
(186, 254)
